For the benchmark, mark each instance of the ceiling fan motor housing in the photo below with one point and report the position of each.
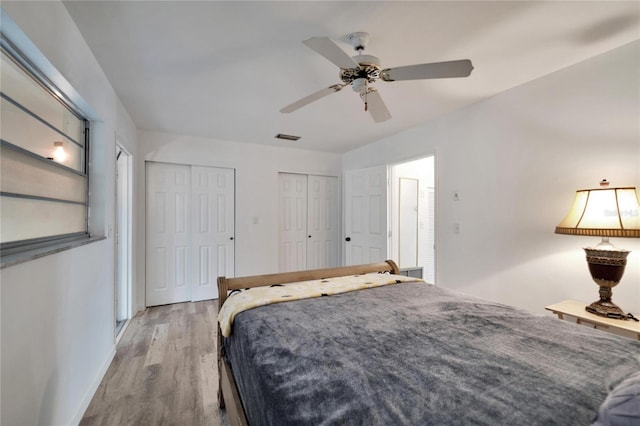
(369, 69)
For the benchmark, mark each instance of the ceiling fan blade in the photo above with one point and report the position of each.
(312, 97)
(327, 48)
(375, 105)
(449, 69)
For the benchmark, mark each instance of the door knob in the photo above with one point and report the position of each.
(309, 236)
(348, 239)
(231, 238)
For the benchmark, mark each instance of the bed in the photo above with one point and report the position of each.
(396, 350)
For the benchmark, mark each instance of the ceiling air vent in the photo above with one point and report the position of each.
(287, 137)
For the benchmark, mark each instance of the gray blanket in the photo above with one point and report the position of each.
(415, 354)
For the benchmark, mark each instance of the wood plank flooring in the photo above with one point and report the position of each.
(164, 371)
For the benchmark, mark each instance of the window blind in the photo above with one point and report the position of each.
(43, 158)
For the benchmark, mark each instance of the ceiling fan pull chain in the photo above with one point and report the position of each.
(366, 92)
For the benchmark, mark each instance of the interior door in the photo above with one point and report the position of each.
(365, 215)
(212, 194)
(293, 222)
(323, 223)
(408, 223)
(168, 233)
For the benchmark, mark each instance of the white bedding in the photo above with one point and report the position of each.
(243, 300)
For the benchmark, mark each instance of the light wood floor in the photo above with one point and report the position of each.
(164, 371)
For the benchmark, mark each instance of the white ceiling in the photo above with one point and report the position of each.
(223, 70)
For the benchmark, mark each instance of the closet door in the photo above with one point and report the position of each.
(309, 229)
(190, 231)
(323, 222)
(212, 195)
(168, 228)
(292, 247)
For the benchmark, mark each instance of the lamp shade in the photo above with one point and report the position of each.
(603, 212)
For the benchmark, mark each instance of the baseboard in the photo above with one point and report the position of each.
(122, 331)
(94, 387)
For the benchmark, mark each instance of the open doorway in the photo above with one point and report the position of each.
(412, 214)
(123, 239)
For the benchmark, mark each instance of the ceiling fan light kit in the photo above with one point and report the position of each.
(361, 70)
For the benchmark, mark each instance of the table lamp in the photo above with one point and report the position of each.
(604, 212)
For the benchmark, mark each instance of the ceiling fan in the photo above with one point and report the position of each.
(362, 70)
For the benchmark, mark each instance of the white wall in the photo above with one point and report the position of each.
(257, 168)
(57, 312)
(517, 160)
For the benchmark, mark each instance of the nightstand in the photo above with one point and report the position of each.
(576, 313)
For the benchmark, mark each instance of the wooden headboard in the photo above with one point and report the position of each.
(227, 284)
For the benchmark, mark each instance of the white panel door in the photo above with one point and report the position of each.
(365, 215)
(212, 213)
(408, 223)
(168, 233)
(293, 222)
(323, 224)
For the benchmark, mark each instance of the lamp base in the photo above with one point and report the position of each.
(606, 265)
(606, 309)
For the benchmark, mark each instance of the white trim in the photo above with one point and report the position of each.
(127, 241)
(122, 331)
